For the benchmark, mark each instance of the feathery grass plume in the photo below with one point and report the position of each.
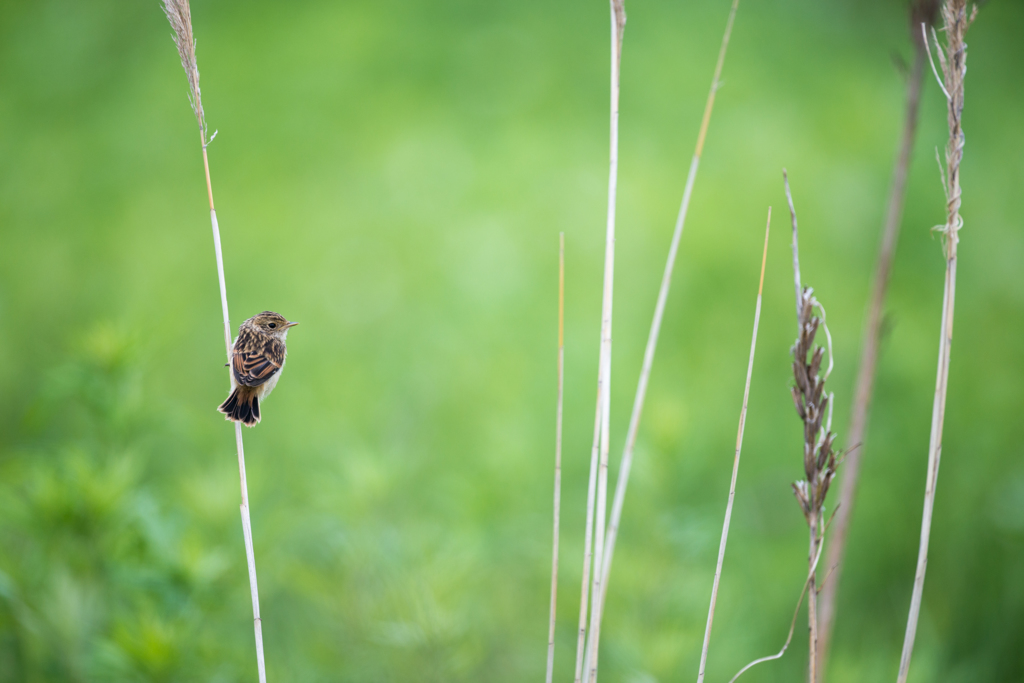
(622, 480)
(180, 17)
(954, 68)
(735, 462)
(814, 406)
(921, 12)
(558, 456)
(604, 375)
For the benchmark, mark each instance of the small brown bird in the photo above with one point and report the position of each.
(257, 359)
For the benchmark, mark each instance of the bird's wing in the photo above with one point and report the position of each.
(255, 363)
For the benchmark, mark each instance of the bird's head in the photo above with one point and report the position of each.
(272, 323)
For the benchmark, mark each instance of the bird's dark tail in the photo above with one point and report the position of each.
(242, 406)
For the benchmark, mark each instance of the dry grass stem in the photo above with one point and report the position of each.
(921, 12)
(618, 27)
(558, 456)
(588, 537)
(954, 69)
(735, 462)
(622, 480)
(180, 17)
(814, 406)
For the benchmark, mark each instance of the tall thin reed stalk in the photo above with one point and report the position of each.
(618, 27)
(921, 11)
(736, 461)
(558, 457)
(588, 537)
(814, 406)
(954, 69)
(180, 17)
(622, 480)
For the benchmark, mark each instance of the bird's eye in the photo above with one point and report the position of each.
(272, 326)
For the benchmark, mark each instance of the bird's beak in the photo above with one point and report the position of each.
(290, 324)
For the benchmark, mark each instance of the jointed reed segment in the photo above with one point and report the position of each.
(618, 27)
(588, 539)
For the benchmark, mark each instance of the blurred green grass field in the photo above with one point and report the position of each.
(394, 175)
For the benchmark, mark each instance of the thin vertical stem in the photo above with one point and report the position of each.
(250, 557)
(558, 457)
(954, 14)
(735, 462)
(622, 480)
(179, 15)
(812, 599)
(932, 477)
(220, 259)
(618, 26)
(868, 363)
(588, 538)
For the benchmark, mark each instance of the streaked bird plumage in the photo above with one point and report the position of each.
(257, 359)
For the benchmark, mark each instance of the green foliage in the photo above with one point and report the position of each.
(394, 175)
(103, 579)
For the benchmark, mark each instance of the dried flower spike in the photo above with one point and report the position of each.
(180, 16)
(814, 407)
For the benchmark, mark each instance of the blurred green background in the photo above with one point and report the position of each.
(394, 174)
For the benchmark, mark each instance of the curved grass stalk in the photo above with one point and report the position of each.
(792, 623)
(735, 462)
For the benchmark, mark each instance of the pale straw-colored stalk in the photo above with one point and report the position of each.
(954, 69)
(558, 457)
(920, 10)
(812, 602)
(588, 537)
(659, 311)
(180, 17)
(735, 462)
(587, 657)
